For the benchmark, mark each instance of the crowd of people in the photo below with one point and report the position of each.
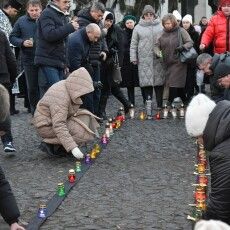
(72, 63)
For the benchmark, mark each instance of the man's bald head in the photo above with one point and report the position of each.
(93, 31)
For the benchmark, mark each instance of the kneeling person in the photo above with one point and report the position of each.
(59, 118)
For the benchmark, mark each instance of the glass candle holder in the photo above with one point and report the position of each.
(61, 189)
(202, 179)
(71, 176)
(93, 154)
(42, 211)
(78, 166)
(87, 159)
(201, 168)
(199, 195)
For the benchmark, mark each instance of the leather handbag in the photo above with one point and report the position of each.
(116, 70)
(186, 56)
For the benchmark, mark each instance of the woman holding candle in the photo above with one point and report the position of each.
(211, 124)
(59, 118)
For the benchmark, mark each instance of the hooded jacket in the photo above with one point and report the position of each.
(217, 140)
(217, 33)
(59, 118)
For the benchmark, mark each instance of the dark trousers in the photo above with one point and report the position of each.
(148, 93)
(176, 92)
(117, 93)
(31, 73)
(131, 94)
(190, 82)
(6, 126)
(91, 100)
(47, 76)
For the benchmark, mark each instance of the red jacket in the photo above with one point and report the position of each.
(218, 33)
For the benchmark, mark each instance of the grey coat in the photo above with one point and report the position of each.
(176, 71)
(150, 68)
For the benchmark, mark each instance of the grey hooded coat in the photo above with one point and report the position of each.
(150, 68)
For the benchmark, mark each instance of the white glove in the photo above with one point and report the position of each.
(77, 153)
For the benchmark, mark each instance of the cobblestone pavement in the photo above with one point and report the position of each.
(142, 180)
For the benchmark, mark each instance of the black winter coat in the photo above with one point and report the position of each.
(128, 70)
(53, 29)
(84, 18)
(8, 65)
(220, 67)
(217, 141)
(8, 206)
(114, 40)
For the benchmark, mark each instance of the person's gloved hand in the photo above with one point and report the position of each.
(97, 85)
(103, 56)
(77, 153)
(179, 49)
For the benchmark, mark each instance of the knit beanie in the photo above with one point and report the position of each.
(15, 4)
(148, 9)
(187, 18)
(224, 2)
(211, 225)
(197, 114)
(129, 17)
(177, 15)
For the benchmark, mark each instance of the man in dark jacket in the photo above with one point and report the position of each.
(79, 45)
(8, 73)
(98, 50)
(24, 37)
(50, 54)
(211, 123)
(219, 66)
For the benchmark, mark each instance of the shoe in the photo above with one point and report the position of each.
(9, 148)
(53, 150)
(13, 112)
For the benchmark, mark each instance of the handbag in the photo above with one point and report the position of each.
(116, 70)
(186, 56)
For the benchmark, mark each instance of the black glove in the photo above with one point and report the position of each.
(97, 85)
(179, 49)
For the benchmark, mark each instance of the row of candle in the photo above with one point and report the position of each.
(200, 193)
(111, 125)
(164, 114)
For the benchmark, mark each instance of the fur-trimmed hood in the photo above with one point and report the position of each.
(197, 114)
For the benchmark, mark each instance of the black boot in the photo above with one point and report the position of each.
(102, 106)
(116, 91)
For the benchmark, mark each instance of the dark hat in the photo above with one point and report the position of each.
(148, 9)
(15, 4)
(129, 17)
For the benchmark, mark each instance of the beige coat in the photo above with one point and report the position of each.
(58, 118)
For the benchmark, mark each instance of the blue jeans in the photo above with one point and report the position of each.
(47, 76)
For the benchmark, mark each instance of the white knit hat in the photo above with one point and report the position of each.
(187, 18)
(211, 225)
(177, 15)
(197, 114)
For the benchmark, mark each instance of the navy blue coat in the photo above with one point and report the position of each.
(53, 29)
(24, 29)
(78, 50)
